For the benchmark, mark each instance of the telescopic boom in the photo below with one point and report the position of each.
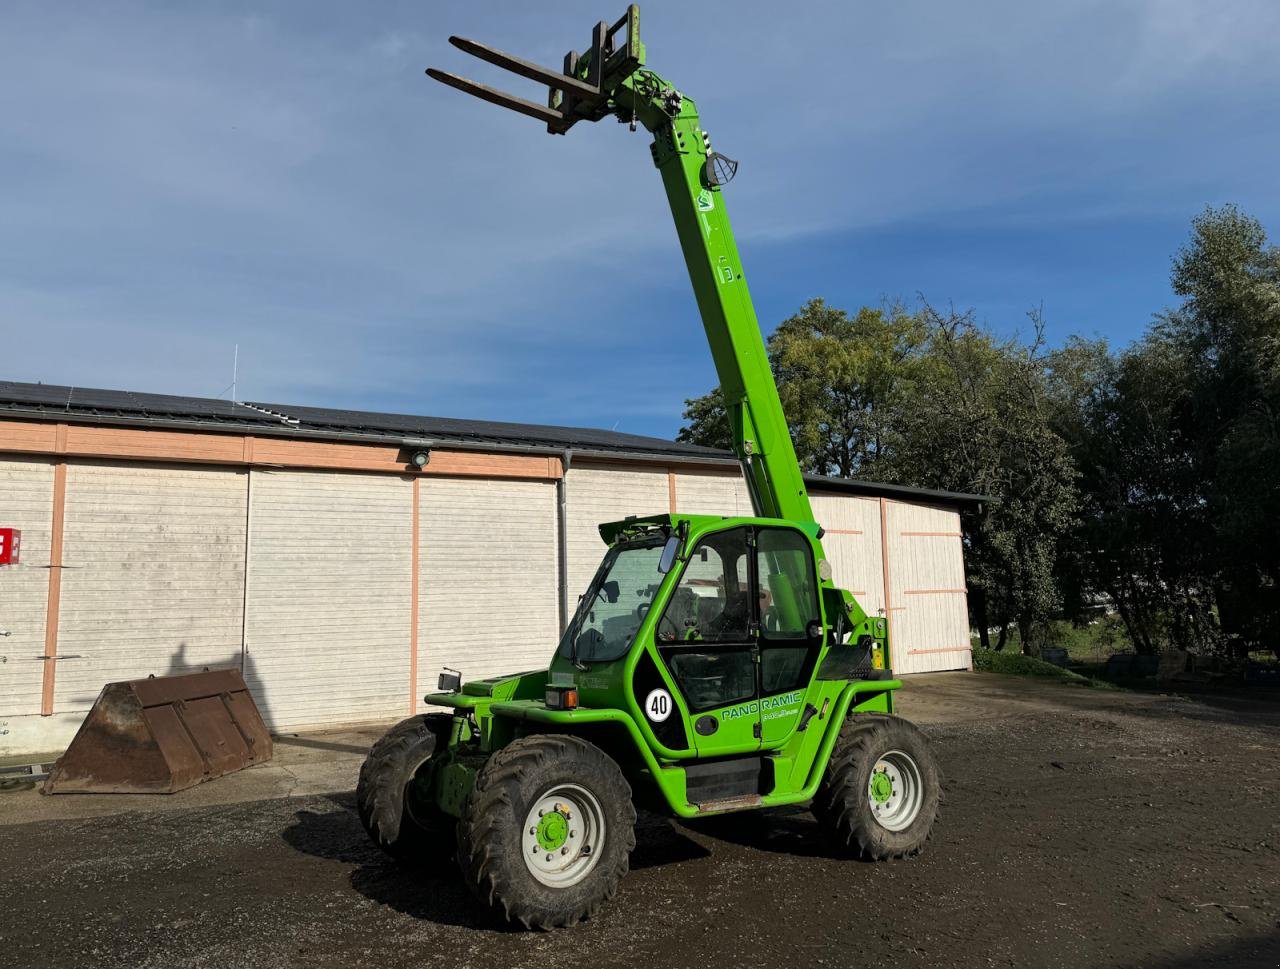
(611, 79)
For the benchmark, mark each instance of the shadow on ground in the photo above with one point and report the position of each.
(292, 740)
(433, 890)
(660, 843)
(429, 892)
(1259, 710)
(789, 831)
(1254, 952)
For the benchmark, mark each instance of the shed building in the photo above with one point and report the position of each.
(165, 534)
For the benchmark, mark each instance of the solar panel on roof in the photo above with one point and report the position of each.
(492, 431)
(98, 401)
(53, 398)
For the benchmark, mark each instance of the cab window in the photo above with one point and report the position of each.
(705, 634)
(711, 604)
(615, 604)
(788, 595)
(788, 604)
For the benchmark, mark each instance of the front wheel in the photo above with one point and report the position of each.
(880, 794)
(398, 818)
(547, 831)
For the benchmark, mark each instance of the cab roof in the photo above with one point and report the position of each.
(636, 526)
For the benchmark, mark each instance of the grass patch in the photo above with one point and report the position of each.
(1090, 643)
(1016, 664)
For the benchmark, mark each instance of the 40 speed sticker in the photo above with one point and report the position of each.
(657, 705)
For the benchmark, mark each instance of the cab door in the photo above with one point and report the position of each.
(707, 640)
(789, 611)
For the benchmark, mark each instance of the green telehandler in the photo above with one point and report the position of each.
(712, 665)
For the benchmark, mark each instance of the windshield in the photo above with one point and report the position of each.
(615, 604)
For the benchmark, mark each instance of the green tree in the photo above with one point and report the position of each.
(1141, 521)
(1178, 442)
(981, 419)
(707, 422)
(930, 399)
(840, 378)
(1229, 325)
(1148, 478)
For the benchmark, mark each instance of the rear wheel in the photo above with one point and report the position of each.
(880, 794)
(393, 809)
(547, 831)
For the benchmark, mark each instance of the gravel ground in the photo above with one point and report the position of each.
(1080, 828)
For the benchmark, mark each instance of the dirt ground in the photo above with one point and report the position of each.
(1080, 828)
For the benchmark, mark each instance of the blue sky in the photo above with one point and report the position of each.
(179, 179)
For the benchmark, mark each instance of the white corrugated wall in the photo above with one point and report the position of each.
(597, 495)
(26, 502)
(852, 544)
(328, 602)
(711, 494)
(155, 578)
(488, 567)
(930, 619)
(154, 575)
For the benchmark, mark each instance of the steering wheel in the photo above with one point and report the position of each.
(642, 610)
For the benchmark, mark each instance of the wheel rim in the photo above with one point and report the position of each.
(895, 790)
(563, 835)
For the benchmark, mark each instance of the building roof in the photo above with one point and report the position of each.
(876, 489)
(131, 408)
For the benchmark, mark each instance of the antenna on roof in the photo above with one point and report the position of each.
(235, 367)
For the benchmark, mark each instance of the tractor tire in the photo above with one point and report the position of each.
(406, 830)
(547, 831)
(879, 796)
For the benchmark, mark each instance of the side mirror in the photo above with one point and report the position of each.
(610, 590)
(669, 554)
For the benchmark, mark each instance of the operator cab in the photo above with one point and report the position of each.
(729, 609)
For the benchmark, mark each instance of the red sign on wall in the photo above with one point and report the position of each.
(10, 544)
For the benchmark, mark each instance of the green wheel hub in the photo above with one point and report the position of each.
(895, 790)
(553, 830)
(881, 786)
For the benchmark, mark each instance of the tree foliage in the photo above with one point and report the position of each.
(839, 377)
(981, 419)
(1180, 448)
(842, 379)
(931, 399)
(1148, 479)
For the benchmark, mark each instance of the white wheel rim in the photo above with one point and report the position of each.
(563, 835)
(895, 791)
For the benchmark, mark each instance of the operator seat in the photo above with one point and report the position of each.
(733, 620)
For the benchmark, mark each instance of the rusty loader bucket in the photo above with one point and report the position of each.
(163, 734)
